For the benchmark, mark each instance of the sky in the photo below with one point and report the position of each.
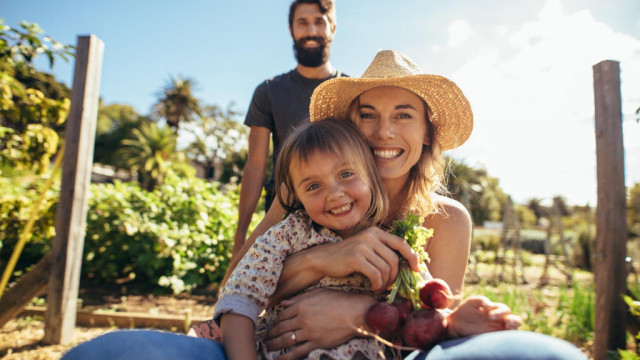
(526, 66)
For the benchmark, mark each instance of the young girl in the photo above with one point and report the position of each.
(329, 186)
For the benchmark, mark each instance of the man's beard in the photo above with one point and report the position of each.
(312, 57)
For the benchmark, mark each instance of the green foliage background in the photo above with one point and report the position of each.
(177, 237)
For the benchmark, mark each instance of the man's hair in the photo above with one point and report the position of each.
(327, 7)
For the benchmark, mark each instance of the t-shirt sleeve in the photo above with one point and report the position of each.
(260, 112)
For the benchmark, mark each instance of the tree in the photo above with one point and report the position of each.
(33, 106)
(540, 211)
(151, 153)
(176, 103)
(476, 190)
(218, 138)
(115, 123)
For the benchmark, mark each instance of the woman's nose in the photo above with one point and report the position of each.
(385, 129)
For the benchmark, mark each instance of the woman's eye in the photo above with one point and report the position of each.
(366, 116)
(346, 174)
(404, 116)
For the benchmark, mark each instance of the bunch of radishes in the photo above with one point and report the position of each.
(400, 322)
(410, 315)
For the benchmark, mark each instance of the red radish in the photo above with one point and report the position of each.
(436, 294)
(423, 328)
(404, 306)
(383, 318)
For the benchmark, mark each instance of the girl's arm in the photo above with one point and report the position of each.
(238, 334)
(372, 252)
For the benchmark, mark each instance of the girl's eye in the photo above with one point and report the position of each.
(346, 174)
(313, 187)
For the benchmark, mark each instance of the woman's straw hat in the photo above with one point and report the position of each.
(449, 110)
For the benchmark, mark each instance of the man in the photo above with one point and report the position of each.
(282, 102)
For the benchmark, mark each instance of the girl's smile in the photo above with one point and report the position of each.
(331, 191)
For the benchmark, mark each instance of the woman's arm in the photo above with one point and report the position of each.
(321, 318)
(238, 334)
(450, 244)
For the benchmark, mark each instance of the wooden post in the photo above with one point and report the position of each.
(611, 228)
(71, 213)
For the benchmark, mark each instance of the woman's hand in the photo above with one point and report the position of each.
(320, 318)
(478, 315)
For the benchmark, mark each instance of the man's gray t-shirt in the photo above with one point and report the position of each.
(281, 103)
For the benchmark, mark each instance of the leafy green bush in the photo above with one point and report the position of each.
(178, 236)
(16, 200)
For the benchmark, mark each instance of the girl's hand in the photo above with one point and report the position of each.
(372, 252)
(320, 318)
(478, 315)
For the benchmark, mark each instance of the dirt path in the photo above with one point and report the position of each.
(21, 338)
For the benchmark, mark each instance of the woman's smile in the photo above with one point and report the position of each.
(386, 154)
(394, 122)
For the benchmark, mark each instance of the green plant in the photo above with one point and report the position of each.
(16, 199)
(580, 312)
(177, 237)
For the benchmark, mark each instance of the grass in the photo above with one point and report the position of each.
(557, 309)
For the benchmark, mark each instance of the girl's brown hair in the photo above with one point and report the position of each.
(340, 138)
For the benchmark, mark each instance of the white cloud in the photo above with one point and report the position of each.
(532, 95)
(459, 33)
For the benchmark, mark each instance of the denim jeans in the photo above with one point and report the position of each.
(150, 344)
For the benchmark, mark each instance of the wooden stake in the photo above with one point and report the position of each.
(74, 192)
(611, 228)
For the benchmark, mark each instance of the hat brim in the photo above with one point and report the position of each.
(449, 110)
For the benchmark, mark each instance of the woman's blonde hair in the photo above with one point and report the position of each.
(336, 137)
(426, 177)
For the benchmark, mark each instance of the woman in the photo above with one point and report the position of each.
(408, 119)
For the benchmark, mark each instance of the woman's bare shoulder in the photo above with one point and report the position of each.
(451, 213)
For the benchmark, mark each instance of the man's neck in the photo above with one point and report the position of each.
(321, 72)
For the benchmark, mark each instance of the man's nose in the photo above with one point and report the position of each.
(312, 30)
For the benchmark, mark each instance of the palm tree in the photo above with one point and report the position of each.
(150, 152)
(217, 137)
(476, 190)
(176, 103)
